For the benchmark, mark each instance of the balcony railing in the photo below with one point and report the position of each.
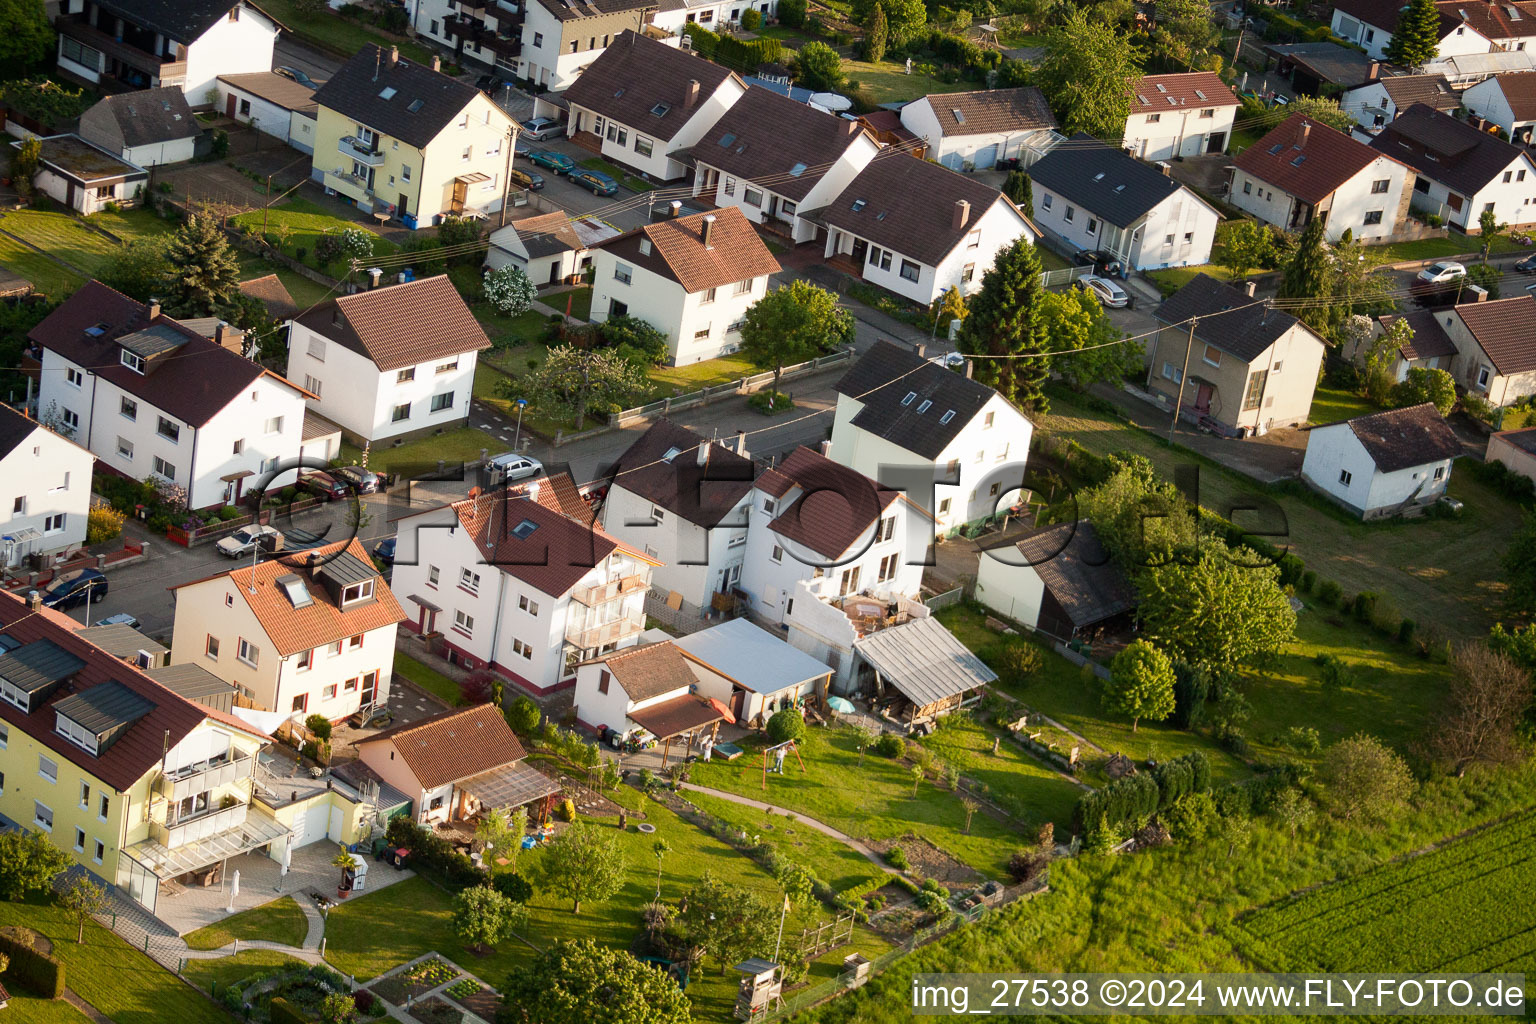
(158, 67)
(193, 780)
(202, 827)
(359, 151)
(602, 593)
(604, 634)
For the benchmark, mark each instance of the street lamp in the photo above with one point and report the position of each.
(522, 403)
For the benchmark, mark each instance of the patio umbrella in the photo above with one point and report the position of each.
(234, 890)
(840, 704)
(720, 707)
(287, 856)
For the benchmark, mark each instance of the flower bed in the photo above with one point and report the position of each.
(402, 986)
(303, 987)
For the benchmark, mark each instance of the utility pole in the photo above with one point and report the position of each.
(506, 175)
(1178, 397)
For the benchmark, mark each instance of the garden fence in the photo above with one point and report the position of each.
(946, 599)
(1054, 278)
(741, 386)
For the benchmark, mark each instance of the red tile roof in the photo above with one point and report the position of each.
(836, 504)
(1505, 331)
(1520, 92)
(1493, 19)
(648, 671)
(1306, 159)
(1153, 94)
(677, 250)
(452, 746)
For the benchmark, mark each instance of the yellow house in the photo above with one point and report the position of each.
(136, 782)
(402, 138)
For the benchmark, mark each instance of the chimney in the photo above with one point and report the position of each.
(707, 227)
(1374, 72)
(921, 348)
(1249, 287)
(1477, 292)
(229, 337)
(691, 94)
(962, 214)
(154, 308)
(394, 55)
(1306, 131)
(741, 443)
(374, 273)
(970, 366)
(826, 448)
(533, 492)
(703, 453)
(34, 600)
(437, 63)
(675, 208)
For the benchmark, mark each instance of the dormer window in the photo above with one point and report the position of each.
(133, 361)
(357, 592)
(76, 734)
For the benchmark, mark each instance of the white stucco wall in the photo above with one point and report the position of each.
(697, 327)
(658, 165)
(1487, 99)
(1014, 591)
(674, 540)
(229, 48)
(1334, 451)
(1179, 131)
(730, 191)
(1178, 232)
(982, 149)
(52, 477)
(1514, 201)
(1350, 202)
(1463, 39)
(160, 153)
(267, 117)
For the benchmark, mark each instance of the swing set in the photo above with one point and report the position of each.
(779, 760)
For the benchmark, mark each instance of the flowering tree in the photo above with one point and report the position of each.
(356, 243)
(509, 290)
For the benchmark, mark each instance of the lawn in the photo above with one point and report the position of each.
(132, 224)
(305, 292)
(888, 82)
(1446, 570)
(111, 975)
(617, 173)
(423, 454)
(212, 975)
(1012, 778)
(46, 276)
(1330, 405)
(1172, 279)
(25, 1009)
(307, 222)
(426, 677)
(1050, 261)
(61, 235)
(280, 921)
(329, 31)
(675, 380)
(576, 302)
(1457, 244)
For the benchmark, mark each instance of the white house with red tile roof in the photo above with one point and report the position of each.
(1496, 347)
(1508, 101)
(1180, 115)
(307, 633)
(980, 128)
(509, 582)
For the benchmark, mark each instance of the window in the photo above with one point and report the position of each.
(405, 174)
(849, 582)
(47, 769)
(981, 456)
(730, 185)
(887, 568)
(623, 273)
(447, 367)
(538, 39)
(1439, 472)
(1071, 213)
(355, 642)
(777, 556)
(317, 349)
(527, 605)
(1484, 374)
(79, 840)
(54, 523)
(333, 650)
(301, 702)
(442, 401)
(70, 419)
(306, 661)
(313, 384)
(1173, 373)
(85, 795)
(602, 681)
(752, 196)
(1093, 225)
(1212, 355)
(124, 448)
(1345, 476)
(5, 735)
(357, 592)
(350, 685)
(168, 430)
(239, 447)
(617, 135)
(328, 692)
(701, 334)
(1255, 389)
(248, 652)
(644, 146)
(74, 377)
(133, 361)
(19, 506)
(274, 425)
(910, 271)
(735, 326)
(165, 469)
(769, 505)
(973, 240)
(709, 296)
(211, 647)
(525, 649)
(103, 807)
(401, 412)
(79, 53)
(128, 408)
(1208, 112)
(1045, 200)
(464, 623)
(1154, 118)
(42, 816)
(406, 375)
(1247, 188)
(470, 581)
(887, 529)
(967, 273)
(100, 851)
(433, 575)
(1380, 187)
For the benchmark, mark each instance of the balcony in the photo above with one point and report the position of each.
(202, 778)
(204, 826)
(152, 68)
(604, 634)
(602, 593)
(361, 152)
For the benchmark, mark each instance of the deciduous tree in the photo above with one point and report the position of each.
(1086, 74)
(140, 270)
(1005, 321)
(1186, 37)
(1140, 684)
(1292, 809)
(28, 37)
(1481, 710)
(792, 324)
(1520, 568)
(83, 899)
(583, 983)
(634, 340)
(1217, 609)
(573, 381)
(483, 917)
(729, 922)
(1426, 384)
(584, 863)
(1083, 340)
(1246, 245)
(509, 290)
(819, 68)
(25, 162)
(1364, 778)
(28, 863)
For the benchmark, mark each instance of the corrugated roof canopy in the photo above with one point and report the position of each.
(923, 661)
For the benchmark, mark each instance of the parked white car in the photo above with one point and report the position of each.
(1439, 273)
(511, 466)
(242, 541)
(1109, 294)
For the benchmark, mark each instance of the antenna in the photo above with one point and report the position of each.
(377, 57)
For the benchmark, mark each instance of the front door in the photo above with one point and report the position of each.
(370, 686)
(860, 251)
(229, 106)
(460, 193)
(554, 272)
(1216, 143)
(1203, 399)
(404, 208)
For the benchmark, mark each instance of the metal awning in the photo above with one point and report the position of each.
(511, 785)
(256, 831)
(23, 535)
(676, 716)
(924, 661)
(428, 605)
(473, 178)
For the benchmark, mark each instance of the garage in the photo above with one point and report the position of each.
(313, 824)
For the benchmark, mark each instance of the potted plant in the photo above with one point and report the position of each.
(342, 860)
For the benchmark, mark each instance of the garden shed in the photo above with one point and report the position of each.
(921, 672)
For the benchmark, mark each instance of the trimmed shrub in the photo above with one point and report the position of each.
(1328, 593)
(896, 857)
(1405, 630)
(1307, 582)
(284, 1012)
(1026, 864)
(902, 881)
(1365, 606)
(751, 19)
(319, 725)
(890, 745)
(35, 971)
(786, 725)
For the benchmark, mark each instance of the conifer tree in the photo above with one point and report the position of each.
(1416, 40)
(1004, 320)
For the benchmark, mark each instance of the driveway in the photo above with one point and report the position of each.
(318, 66)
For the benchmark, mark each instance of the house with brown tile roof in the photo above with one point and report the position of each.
(309, 633)
(455, 765)
(980, 128)
(1496, 347)
(396, 361)
(505, 580)
(1377, 103)
(1390, 463)
(918, 229)
(1508, 101)
(646, 691)
(549, 248)
(1302, 170)
(1370, 24)
(271, 104)
(1459, 170)
(1179, 115)
(149, 396)
(770, 156)
(692, 278)
(643, 102)
(1428, 348)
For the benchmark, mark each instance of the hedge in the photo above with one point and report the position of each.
(32, 970)
(1137, 797)
(282, 1011)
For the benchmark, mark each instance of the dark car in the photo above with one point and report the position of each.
(596, 181)
(530, 180)
(358, 477)
(1526, 264)
(557, 162)
(384, 551)
(1103, 263)
(73, 590)
(295, 75)
(323, 486)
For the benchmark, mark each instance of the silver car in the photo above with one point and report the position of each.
(540, 128)
(1109, 294)
(242, 541)
(511, 466)
(365, 481)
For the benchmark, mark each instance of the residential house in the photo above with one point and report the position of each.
(1461, 172)
(1376, 105)
(642, 101)
(955, 446)
(273, 105)
(1302, 170)
(1180, 115)
(771, 157)
(121, 45)
(455, 765)
(509, 580)
(1090, 196)
(1245, 368)
(715, 15)
(152, 398)
(646, 693)
(154, 126)
(752, 671)
(1370, 24)
(1515, 450)
(396, 361)
(84, 177)
(683, 500)
(1389, 463)
(1315, 69)
(550, 248)
(45, 482)
(547, 43)
(917, 229)
(1508, 25)
(1429, 348)
(311, 633)
(1506, 101)
(405, 139)
(135, 784)
(692, 278)
(974, 130)
(1057, 580)
(1496, 347)
(273, 295)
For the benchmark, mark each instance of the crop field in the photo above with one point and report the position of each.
(1462, 908)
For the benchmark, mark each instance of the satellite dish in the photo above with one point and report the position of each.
(831, 102)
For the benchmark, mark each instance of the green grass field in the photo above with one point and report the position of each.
(61, 235)
(707, 373)
(279, 921)
(212, 975)
(1330, 405)
(462, 445)
(129, 225)
(426, 677)
(889, 82)
(25, 1009)
(1457, 244)
(46, 276)
(307, 222)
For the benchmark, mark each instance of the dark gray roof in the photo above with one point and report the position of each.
(886, 374)
(1403, 438)
(14, 429)
(924, 661)
(1449, 151)
(346, 569)
(575, 10)
(37, 665)
(1329, 62)
(153, 341)
(121, 641)
(776, 141)
(1073, 566)
(402, 99)
(1230, 320)
(644, 84)
(1429, 337)
(191, 680)
(139, 119)
(662, 466)
(104, 706)
(183, 20)
(1107, 182)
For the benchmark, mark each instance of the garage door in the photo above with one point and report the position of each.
(952, 161)
(312, 825)
(986, 157)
